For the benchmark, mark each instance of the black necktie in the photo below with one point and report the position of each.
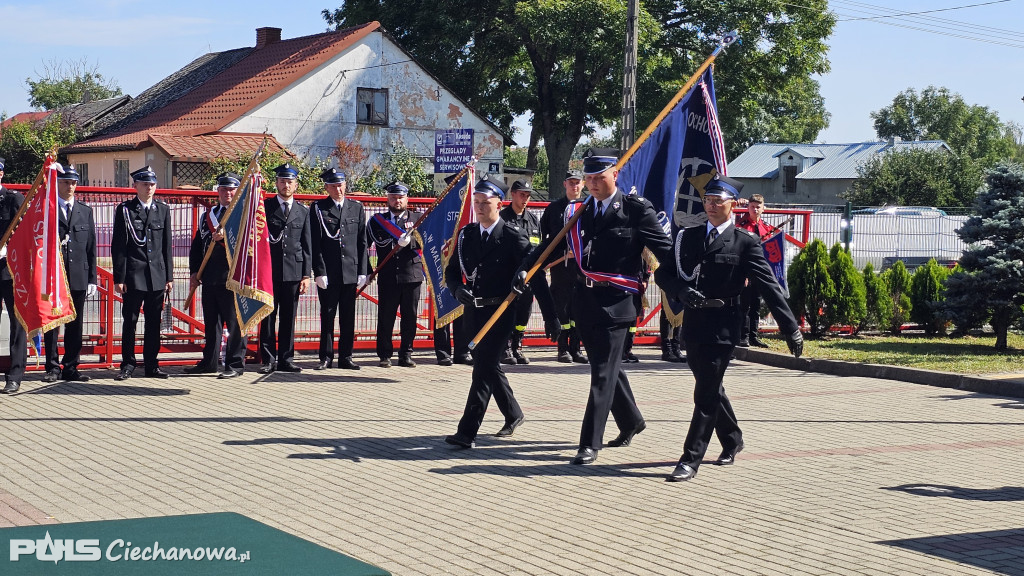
(218, 211)
(484, 236)
(600, 208)
(710, 238)
(286, 209)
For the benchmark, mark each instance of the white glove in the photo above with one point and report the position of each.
(90, 291)
(3, 251)
(321, 282)
(404, 240)
(361, 280)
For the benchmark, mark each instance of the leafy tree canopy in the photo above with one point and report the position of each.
(916, 177)
(67, 82)
(562, 61)
(25, 144)
(938, 114)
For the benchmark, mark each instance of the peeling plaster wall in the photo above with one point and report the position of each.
(309, 116)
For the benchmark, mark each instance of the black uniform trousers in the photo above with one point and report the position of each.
(19, 353)
(72, 339)
(523, 306)
(609, 387)
(338, 300)
(392, 298)
(152, 301)
(488, 377)
(712, 411)
(277, 344)
(562, 279)
(443, 338)
(219, 312)
(751, 302)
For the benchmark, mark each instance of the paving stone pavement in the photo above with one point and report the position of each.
(840, 475)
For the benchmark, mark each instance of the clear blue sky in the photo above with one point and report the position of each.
(140, 42)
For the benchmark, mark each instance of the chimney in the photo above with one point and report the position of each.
(267, 36)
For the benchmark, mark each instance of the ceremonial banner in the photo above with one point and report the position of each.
(42, 300)
(674, 164)
(245, 237)
(775, 254)
(437, 233)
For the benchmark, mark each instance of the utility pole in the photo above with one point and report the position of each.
(629, 77)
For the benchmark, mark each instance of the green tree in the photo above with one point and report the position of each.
(916, 177)
(67, 82)
(811, 289)
(896, 281)
(849, 307)
(398, 163)
(569, 56)
(927, 287)
(879, 305)
(309, 172)
(25, 144)
(991, 286)
(938, 114)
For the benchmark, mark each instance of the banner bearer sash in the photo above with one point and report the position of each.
(622, 282)
(246, 240)
(42, 299)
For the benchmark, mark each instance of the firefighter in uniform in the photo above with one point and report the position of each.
(340, 264)
(563, 269)
(77, 231)
(10, 202)
(710, 267)
(218, 301)
(400, 278)
(291, 257)
(486, 259)
(608, 242)
(143, 270)
(752, 222)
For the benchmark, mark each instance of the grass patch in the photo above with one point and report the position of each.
(967, 355)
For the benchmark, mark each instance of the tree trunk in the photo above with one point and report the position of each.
(533, 150)
(1001, 328)
(558, 165)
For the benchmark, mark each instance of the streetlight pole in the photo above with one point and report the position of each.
(629, 77)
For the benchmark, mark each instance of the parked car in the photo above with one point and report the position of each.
(902, 211)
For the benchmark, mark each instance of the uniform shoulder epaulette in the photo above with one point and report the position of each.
(512, 226)
(636, 198)
(748, 233)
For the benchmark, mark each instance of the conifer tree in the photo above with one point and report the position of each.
(811, 289)
(897, 284)
(927, 288)
(879, 305)
(849, 307)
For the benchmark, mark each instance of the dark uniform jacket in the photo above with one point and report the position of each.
(734, 257)
(216, 271)
(342, 258)
(614, 244)
(406, 266)
(551, 222)
(10, 202)
(489, 266)
(143, 259)
(291, 245)
(78, 242)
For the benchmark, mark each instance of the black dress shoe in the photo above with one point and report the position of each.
(509, 428)
(406, 363)
(585, 456)
(630, 358)
(157, 373)
(125, 373)
(75, 376)
(348, 364)
(288, 367)
(229, 373)
(51, 376)
(728, 457)
(460, 441)
(580, 359)
(200, 369)
(508, 358)
(743, 343)
(564, 357)
(323, 365)
(624, 438)
(11, 387)
(444, 361)
(757, 342)
(384, 363)
(267, 369)
(681, 473)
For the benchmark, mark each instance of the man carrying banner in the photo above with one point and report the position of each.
(291, 257)
(752, 222)
(486, 258)
(143, 270)
(218, 301)
(563, 269)
(340, 264)
(77, 232)
(711, 264)
(400, 278)
(10, 202)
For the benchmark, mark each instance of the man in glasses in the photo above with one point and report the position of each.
(713, 262)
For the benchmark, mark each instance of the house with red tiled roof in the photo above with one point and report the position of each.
(306, 94)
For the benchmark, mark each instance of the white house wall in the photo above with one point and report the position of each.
(319, 109)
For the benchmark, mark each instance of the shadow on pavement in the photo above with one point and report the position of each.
(86, 388)
(1009, 402)
(1001, 551)
(561, 466)
(1002, 494)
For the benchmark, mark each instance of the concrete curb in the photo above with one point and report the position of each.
(1012, 387)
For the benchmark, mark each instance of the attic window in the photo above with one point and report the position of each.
(372, 106)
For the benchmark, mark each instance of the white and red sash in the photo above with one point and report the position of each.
(620, 281)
